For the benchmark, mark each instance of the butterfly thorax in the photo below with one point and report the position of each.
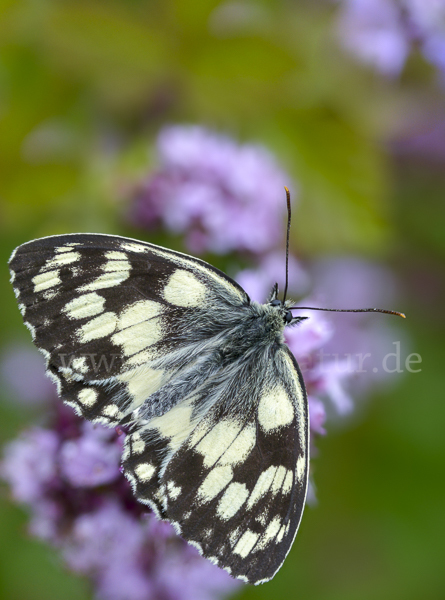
(260, 327)
(269, 321)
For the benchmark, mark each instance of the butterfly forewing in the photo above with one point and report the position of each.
(105, 309)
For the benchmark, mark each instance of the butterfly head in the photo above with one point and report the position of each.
(284, 307)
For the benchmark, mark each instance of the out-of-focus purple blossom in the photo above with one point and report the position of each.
(22, 373)
(383, 32)
(46, 516)
(363, 338)
(317, 415)
(351, 282)
(29, 464)
(425, 143)
(326, 378)
(90, 460)
(102, 538)
(309, 335)
(221, 195)
(271, 268)
(69, 478)
(372, 30)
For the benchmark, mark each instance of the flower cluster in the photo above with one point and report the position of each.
(222, 196)
(68, 475)
(383, 32)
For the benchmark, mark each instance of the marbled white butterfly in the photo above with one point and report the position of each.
(174, 349)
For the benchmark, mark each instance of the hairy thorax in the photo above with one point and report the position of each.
(261, 327)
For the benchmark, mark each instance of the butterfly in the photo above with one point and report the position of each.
(215, 405)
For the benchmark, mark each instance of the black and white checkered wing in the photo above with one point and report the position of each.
(115, 317)
(229, 465)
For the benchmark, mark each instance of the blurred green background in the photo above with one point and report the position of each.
(85, 87)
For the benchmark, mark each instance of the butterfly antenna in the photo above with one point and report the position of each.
(287, 241)
(379, 310)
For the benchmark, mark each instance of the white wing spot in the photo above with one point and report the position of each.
(287, 485)
(112, 410)
(184, 261)
(280, 535)
(227, 441)
(262, 486)
(301, 465)
(138, 327)
(84, 306)
(184, 289)
(141, 358)
(46, 280)
(22, 309)
(300, 403)
(63, 259)
(271, 532)
(278, 480)
(139, 312)
(87, 396)
(145, 471)
(176, 424)
(246, 542)
(97, 328)
(50, 294)
(233, 499)
(275, 409)
(131, 247)
(173, 490)
(141, 383)
(80, 364)
(136, 338)
(137, 444)
(115, 272)
(214, 483)
(113, 255)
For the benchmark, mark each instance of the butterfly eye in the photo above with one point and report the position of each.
(276, 302)
(288, 317)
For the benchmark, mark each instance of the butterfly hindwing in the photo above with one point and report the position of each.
(232, 478)
(104, 309)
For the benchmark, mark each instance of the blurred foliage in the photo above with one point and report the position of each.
(84, 88)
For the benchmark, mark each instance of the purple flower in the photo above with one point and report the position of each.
(317, 415)
(258, 282)
(223, 196)
(372, 30)
(22, 373)
(363, 339)
(382, 33)
(29, 464)
(68, 477)
(90, 460)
